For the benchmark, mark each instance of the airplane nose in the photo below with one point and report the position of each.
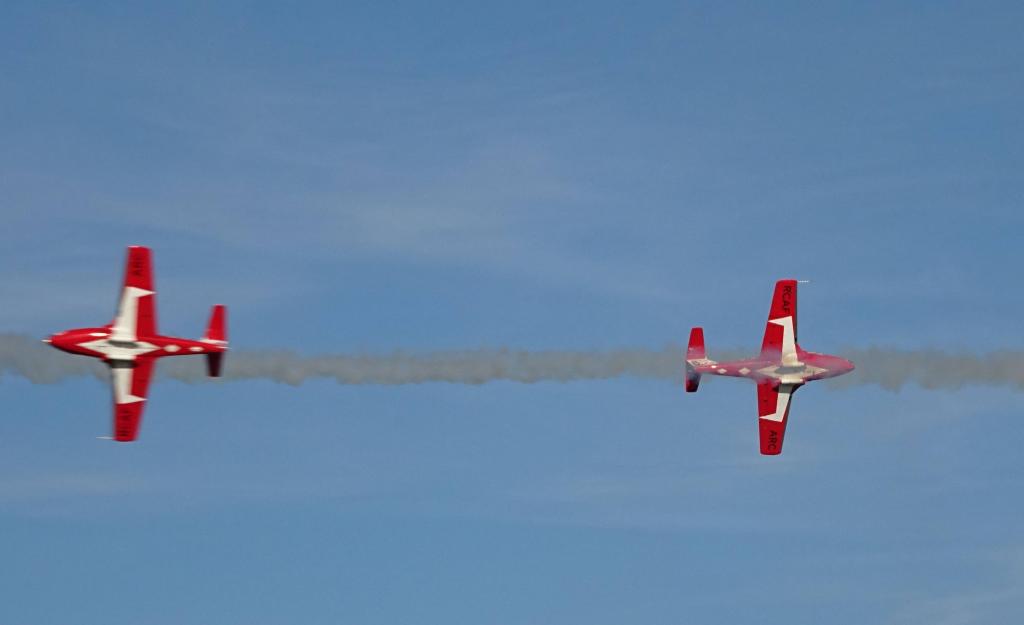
(849, 365)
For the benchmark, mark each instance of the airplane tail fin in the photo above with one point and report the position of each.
(217, 333)
(214, 362)
(694, 352)
(216, 329)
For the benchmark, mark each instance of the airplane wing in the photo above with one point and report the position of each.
(773, 413)
(136, 309)
(780, 333)
(130, 382)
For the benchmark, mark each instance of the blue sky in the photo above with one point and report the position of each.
(534, 175)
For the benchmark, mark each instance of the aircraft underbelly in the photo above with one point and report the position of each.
(789, 374)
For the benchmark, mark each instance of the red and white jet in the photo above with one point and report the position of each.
(130, 344)
(782, 367)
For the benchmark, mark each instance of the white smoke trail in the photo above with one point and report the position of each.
(932, 369)
(38, 363)
(30, 359)
(457, 367)
(889, 368)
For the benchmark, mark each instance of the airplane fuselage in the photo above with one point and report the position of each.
(99, 343)
(811, 366)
